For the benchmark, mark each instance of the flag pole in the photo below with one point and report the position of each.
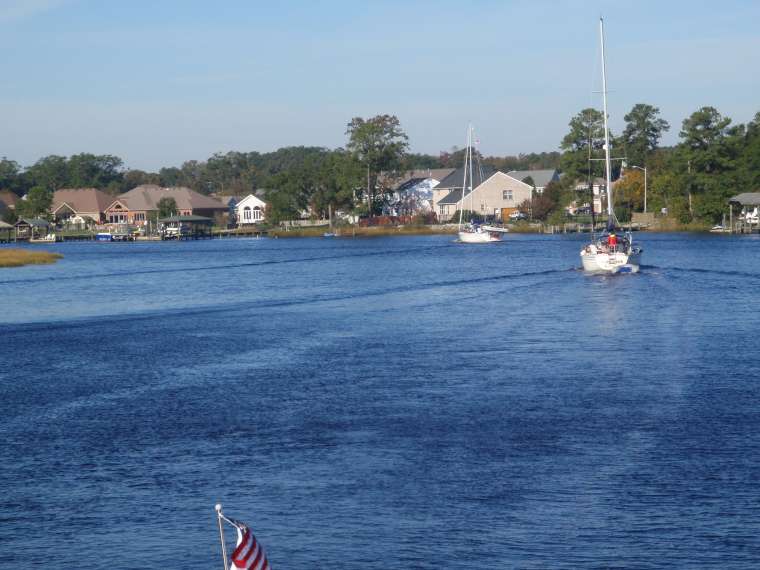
(219, 516)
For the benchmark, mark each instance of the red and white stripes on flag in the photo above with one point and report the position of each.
(249, 553)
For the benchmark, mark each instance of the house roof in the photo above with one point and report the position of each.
(34, 222)
(747, 199)
(252, 198)
(201, 219)
(455, 195)
(407, 178)
(81, 199)
(8, 198)
(540, 177)
(147, 196)
(455, 178)
(5, 226)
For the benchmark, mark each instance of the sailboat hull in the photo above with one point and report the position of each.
(478, 237)
(618, 262)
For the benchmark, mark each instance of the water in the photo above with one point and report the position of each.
(383, 403)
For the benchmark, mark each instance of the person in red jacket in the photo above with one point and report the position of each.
(612, 241)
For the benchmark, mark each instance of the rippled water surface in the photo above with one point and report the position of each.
(384, 403)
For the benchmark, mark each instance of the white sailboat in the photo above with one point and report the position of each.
(471, 232)
(610, 253)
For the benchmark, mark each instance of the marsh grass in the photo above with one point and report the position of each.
(19, 257)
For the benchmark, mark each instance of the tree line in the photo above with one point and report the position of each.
(693, 179)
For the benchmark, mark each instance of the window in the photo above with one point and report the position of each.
(256, 213)
(140, 216)
(507, 195)
(441, 209)
(247, 213)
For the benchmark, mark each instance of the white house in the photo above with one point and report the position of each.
(250, 210)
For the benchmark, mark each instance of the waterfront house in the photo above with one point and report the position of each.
(598, 191)
(31, 228)
(138, 205)
(413, 191)
(79, 206)
(448, 187)
(496, 197)
(250, 210)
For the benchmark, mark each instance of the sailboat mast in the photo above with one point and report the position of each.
(472, 183)
(607, 161)
(464, 178)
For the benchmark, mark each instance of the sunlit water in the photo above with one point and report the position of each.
(383, 403)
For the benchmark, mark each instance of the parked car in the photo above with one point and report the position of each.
(518, 215)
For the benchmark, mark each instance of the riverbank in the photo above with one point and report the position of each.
(20, 257)
(358, 231)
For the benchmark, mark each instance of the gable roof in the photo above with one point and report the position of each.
(5, 226)
(455, 196)
(33, 222)
(406, 178)
(253, 199)
(81, 199)
(147, 196)
(455, 179)
(540, 177)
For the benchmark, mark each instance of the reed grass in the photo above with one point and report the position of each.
(19, 257)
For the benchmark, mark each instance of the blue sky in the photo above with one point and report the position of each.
(163, 81)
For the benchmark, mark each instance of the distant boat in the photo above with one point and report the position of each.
(104, 236)
(328, 234)
(610, 253)
(49, 238)
(719, 229)
(472, 232)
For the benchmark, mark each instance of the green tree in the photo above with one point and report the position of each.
(379, 144)
(704, 134)
(643, 130)
(167, 206)
(50, 172)
(10, 175)
(584, 141)
(171, 176)
(707, 161)
(36, 204)
(89, 170)
(134, 178)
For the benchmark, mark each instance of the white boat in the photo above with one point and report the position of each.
(603, 254)
(472, 232)
(477, 234)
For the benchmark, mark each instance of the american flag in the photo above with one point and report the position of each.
(248, 552)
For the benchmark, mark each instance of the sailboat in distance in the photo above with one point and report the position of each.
(472, 232)
(610, 253)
